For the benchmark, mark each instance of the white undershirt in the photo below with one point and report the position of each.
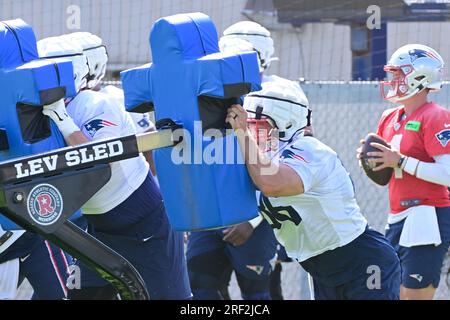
(437, 172)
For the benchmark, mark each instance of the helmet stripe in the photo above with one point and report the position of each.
(246, 34)
(279, 99)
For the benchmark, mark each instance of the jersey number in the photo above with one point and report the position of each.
(276, 215)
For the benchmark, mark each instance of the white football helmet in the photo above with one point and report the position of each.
(59, 47)
(258, 36)
(411, 69)
(277, 106)
(236, 46)
(96, 55)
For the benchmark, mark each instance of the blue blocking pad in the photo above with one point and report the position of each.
(27, 83)
(189, 81)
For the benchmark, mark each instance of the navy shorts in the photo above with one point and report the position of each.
(421, 265)
(251, 260)
(365, 269)
(42, 263)
(140, 231)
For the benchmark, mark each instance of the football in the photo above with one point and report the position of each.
(381, 177)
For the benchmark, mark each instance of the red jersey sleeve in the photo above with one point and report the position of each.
(382, 122)
(380, 126)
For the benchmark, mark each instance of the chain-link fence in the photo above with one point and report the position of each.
(314, 39)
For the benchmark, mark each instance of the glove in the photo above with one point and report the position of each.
(57, 112)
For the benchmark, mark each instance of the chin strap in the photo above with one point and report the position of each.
(258, 112)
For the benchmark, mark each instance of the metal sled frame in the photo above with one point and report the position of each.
(18, 179)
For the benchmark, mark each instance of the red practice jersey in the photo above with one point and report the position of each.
(422, 135)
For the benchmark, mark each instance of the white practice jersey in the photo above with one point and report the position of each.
(141, 121)
(99, 117)
(326, 215)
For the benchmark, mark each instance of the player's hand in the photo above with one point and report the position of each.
(237, 117)
(239, 234)
(57, 112)
(385, 158)
(359, 151)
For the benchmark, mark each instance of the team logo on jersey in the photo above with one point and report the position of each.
(419, 53)
(143, 123)
(257, 269)
(417, 276)
(288, 154)
(94, 125)
(44, 204)
(443, 137)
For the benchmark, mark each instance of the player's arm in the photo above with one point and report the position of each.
(73, 135)
(436, 146)
(70, 131)
(272, 179)
(435, 172)
(76, 138)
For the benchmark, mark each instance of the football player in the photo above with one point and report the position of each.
(28, 255)
(308, 198)
(248, 248)
(251, 36)
(418, 131)
(97, 59)
(24, 254)
(127, 214)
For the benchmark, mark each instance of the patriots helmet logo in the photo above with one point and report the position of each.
(143, 123)
(257, 269)
(289, 154)
(419, 53)
(94, 125)
(443, 137)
